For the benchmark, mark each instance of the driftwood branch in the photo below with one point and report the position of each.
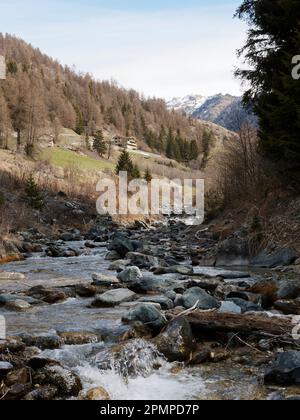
(209, 321)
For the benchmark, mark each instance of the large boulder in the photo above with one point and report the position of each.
(194, 295)
(233, 252)
(286, 370)
(142, 261)
(152, 283)
(114, 298)
(66, 381)
(176, 342)
(147, 314)
(280, 257)
(130, 275)
(122, 245)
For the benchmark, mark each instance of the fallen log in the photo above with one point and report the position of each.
(213, 321)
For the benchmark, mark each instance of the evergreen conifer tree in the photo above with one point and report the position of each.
(99, 144)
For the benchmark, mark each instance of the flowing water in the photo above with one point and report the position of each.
(137, 371)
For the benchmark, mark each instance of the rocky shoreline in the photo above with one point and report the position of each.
(192, 317)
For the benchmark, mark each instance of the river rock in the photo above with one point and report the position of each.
(112, 256)
(233, 252)
(130, 275)
(42, 341)
(78, 338)
(119, 265)
(230, 307)
(66, 381)
(245, 305)
(5, 368)
(85, 290)
(38, 362)
(5, 299)
(233, 275)
(59, 251)
(195, 294)
(130, 305)
(152, 283)
(9, 252)
(121, 245)
(113, 298)
(4, 275)
(286, 370)
(142, 261)
(17, 392)
(288, 306)
(289, 289)
(200, 356)
(178, 301)
(170, 294)
(96, 394)
(176, 342)
(17, 305)
(163, 301)
(147, 314)
(135, 331)
(43, 393)
(48, 295)
(177, 269)
(280, 257)
(20, 376)
(15, 345)
(103, 280)
(209, 284)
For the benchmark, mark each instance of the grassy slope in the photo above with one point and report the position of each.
(64, 158)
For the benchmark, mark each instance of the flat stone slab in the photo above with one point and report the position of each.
(130, 305)
(4, 275)
(103, 280)
(114, 298)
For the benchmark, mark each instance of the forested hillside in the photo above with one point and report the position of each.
(40, 96)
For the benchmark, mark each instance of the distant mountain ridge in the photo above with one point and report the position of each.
(225, 110)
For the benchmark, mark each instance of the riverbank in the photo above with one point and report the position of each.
(131, 312)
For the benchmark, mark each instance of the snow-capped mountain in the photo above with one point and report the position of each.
(188, 104)
(224, 110)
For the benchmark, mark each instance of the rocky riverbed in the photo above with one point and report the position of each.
(145, 313)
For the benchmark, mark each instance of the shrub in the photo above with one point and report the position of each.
(33, 194)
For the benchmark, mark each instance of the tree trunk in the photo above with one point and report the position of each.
(212, 321)
(18, 140)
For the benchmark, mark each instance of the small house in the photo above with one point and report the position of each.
(125, 142)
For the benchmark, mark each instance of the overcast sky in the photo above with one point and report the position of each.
(161, 48)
